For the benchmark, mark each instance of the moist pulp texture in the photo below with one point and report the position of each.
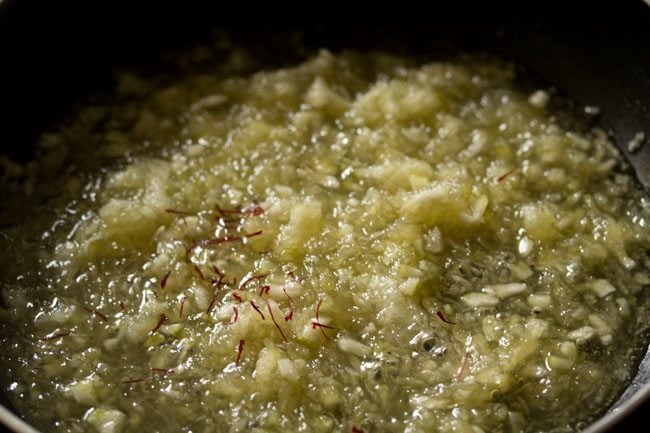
(356, 243)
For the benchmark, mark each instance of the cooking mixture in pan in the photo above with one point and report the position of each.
(357, 243)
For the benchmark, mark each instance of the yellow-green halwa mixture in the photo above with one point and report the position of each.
(359, 243)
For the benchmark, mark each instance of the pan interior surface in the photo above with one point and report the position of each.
(624, 126)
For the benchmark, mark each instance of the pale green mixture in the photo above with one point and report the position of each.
(359, 243)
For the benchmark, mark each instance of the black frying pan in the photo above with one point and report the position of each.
(54, 53)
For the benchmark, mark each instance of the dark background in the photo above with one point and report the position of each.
(54, 53)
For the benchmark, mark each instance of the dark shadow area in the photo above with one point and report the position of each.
(53, 52)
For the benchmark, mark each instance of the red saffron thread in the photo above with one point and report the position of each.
(236, 296)
(317, 324)
(217, 283)
(217, 271)
(254, 210)
(225, 212)
(265, 289)
(245, 282)
(55, 335)
(199, 271)
(97, 313)
(294, 277)
(268, 307)
(188, 251)
(240, 349)
(250, 235)
(442, 317)
(212, 302)
(163, 319)
(223, 240)
(356, 430)
(122, 306)
(182, 306)
(289, 315)
(503, 176)
(235, 315)
(142, 379)
(163, 282)
(463, 364)
(256, 308)
(178, 212)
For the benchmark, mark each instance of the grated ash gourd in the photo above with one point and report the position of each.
(357, 243)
